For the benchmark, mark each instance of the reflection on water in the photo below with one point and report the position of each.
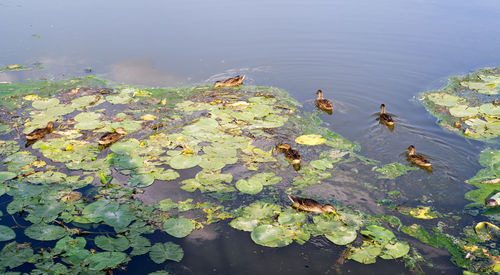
(360, 53)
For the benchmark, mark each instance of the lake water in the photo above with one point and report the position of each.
(360, 53)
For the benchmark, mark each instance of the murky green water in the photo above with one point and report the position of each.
(361, 54)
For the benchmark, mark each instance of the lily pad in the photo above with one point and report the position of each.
(184, 161)
(463, 111)
(270, 236)
(103, 260)
(112, 244)
(310, 139)
(249, 187)
(396, 250)
(378, 233)
(366, 254)
(444, 99)
(45, 103)
(490, 109)
(42, 232)
(393, 170)
(87, 120)
(4, 176)
(6, 233)
(178, 227)
(160, 252)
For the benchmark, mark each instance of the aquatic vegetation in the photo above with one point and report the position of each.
(82, 203)
(484, 179)
(468, 104)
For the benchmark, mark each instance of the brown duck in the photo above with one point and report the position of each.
(233, 81)
(112, 137)
(311, 205)
(385, 118)
(292, 155)
(324, 104)
(418, 159)
(40, 132)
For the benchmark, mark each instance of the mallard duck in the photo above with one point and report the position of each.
(311, 205)
(418, 159)
(292, 155)
(40, 132)
(112, 137)
(385, 118)
(323, 104)
(233, 81)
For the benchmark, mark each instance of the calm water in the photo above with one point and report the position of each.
(360, 53)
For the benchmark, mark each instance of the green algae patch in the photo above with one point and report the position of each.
(468, 105)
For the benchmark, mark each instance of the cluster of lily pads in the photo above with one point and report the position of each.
(80, 203)
(468, 105)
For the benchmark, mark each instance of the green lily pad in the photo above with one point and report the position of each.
(490, 109)
(42, 232)
(178, 227)
(366, 254)
(249, 187)
(119, 218)
(14, 255)
(396, 250)
(4, 176)
(103, 260)
(291, 217)
(184, 161)
(87, 120)
(335, 231)
(270, 236)
(160, 252)
(393, 170)
(482, 87)
(141, 180)
(112, 244)
(463, 111)
(125, 147)
(443, 99)
(166, 205)
(45, 103)
(140, 244)
(378, 233)
(322, 164)
(119, 99)
(84, 101)
(6, 233)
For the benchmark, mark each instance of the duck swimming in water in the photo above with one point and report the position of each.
(311, 205)
(112, 137)
(385, 118)
(292, 155)
(40, 132)
(324, 104)
(233, 81)
(418, 159)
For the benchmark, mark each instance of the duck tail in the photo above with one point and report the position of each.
(291, 197)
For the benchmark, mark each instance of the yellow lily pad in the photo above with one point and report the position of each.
(148, 117)
(423, 213)
(310, 139)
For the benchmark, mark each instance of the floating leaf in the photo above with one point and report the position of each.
(87, 120)
(249, 187)
(378, 233)
(178, 227)
(6, 233)
(443, 99)
(103, 260)
(270, 236)
(4, 176)
(42, 232)
(490, 109)
(148, 117)
(335, 231)
(184, 161)
(463, 111)
(366, 254)
(393, 170)
(160, 252)
(310, 139)
(14, 254)
(112, 244)
(396, 250)
(321, 164)
(45, 103)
